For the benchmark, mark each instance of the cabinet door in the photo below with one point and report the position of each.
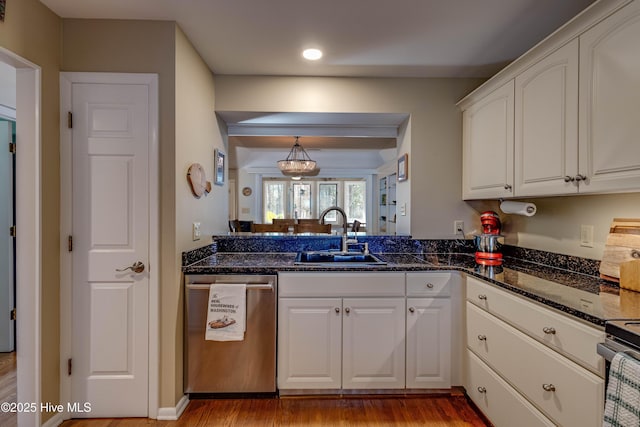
(428, 343)
(309, 343)
(610, 103)
(487, 131)
(546, 125)
(373, 343)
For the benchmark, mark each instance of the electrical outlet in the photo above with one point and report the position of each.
(458, 227)
(586, 236)
(195, 232)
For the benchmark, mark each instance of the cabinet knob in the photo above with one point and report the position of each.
(337, 309)
(430, 285)
(580, 177)
(412, 310)
(482, 297)
(549, 387)
(507, 187)
(550, 331)
(568, 178)
(482, 390)
(482, 337)
(347, 310)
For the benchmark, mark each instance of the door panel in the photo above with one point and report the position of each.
(110, 229)
(7, 284)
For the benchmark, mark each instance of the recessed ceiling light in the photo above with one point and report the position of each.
(312, 54)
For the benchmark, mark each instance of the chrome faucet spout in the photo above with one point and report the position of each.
(339, 210)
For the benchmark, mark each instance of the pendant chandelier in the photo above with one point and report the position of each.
(298, 163)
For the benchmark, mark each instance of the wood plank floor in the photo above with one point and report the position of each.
(436, 411)
(8, 388)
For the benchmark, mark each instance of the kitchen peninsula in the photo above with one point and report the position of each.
(427, 317)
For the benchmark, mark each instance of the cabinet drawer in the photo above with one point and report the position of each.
(497, 400)
(567, 393)
(334, 284)
(428, 284)
(567, 336)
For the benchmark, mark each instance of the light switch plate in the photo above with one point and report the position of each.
(586, 236)
(196, 231)
(403, 209)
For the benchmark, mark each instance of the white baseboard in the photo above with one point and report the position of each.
(54, 421)
(172, 414)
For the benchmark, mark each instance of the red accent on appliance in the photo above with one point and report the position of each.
(490, 222)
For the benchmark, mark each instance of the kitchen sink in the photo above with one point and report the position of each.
(337, 258)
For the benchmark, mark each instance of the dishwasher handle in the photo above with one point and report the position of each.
(608, 349)
(250, 287)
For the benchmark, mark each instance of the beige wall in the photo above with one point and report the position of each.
(433, 138)
(556, 224)
(32, 31)
(197, 135)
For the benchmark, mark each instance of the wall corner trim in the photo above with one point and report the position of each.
(173, 413)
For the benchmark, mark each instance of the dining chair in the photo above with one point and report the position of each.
(269, 228)
(308, 221)
(312, 228)
(287, 221)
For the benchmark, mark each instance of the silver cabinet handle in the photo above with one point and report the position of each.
(482, 390)
(482, 297)
(337, 310)
(430, 285)
(507, 187)
(482, 337)
(635, 254)
(347, 310)
(549, 331)
(568, 178)
(412, 310)
(580, 177)
(136, 267)
(549, 387)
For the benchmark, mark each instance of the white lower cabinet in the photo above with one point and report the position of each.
(561, 384)
(364, 331)
(310, 343)
(497, 400)
(373, 343)
(428, 343)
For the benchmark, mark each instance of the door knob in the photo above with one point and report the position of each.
(136, 267)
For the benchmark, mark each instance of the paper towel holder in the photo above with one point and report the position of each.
(529, 207)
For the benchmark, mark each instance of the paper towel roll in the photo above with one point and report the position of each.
(518, 208)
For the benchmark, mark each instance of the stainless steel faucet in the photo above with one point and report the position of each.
(345, 241)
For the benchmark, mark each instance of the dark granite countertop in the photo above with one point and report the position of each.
(584, 296)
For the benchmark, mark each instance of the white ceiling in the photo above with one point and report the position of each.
(360, 38)
(381, 38)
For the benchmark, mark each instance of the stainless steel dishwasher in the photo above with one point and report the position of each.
(247, 366)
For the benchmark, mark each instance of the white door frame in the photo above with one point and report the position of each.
(67, 79)
(28, 233)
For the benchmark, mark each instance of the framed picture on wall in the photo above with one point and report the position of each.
(2, 4)
(403, 167)
(219, 168)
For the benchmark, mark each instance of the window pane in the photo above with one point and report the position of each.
(302, 200)
(327, 197)
(355, 200)
(274, 201)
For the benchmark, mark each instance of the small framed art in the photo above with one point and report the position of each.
(403, 167)
(219, 169)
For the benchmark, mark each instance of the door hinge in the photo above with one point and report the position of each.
(70, 120)
(13, 314)
(70, 244)
(12, 147)
(69, 366)
(12, 231)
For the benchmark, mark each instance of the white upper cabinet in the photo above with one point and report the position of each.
(546, 125)
(565, 117)
(610, 103)
(487, 129)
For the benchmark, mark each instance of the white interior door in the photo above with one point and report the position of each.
(110, 327)
(7, 324)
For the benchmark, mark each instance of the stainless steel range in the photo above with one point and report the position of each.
(622, 336)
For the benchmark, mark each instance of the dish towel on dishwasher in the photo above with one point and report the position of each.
(227, 312)
(622, 407)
